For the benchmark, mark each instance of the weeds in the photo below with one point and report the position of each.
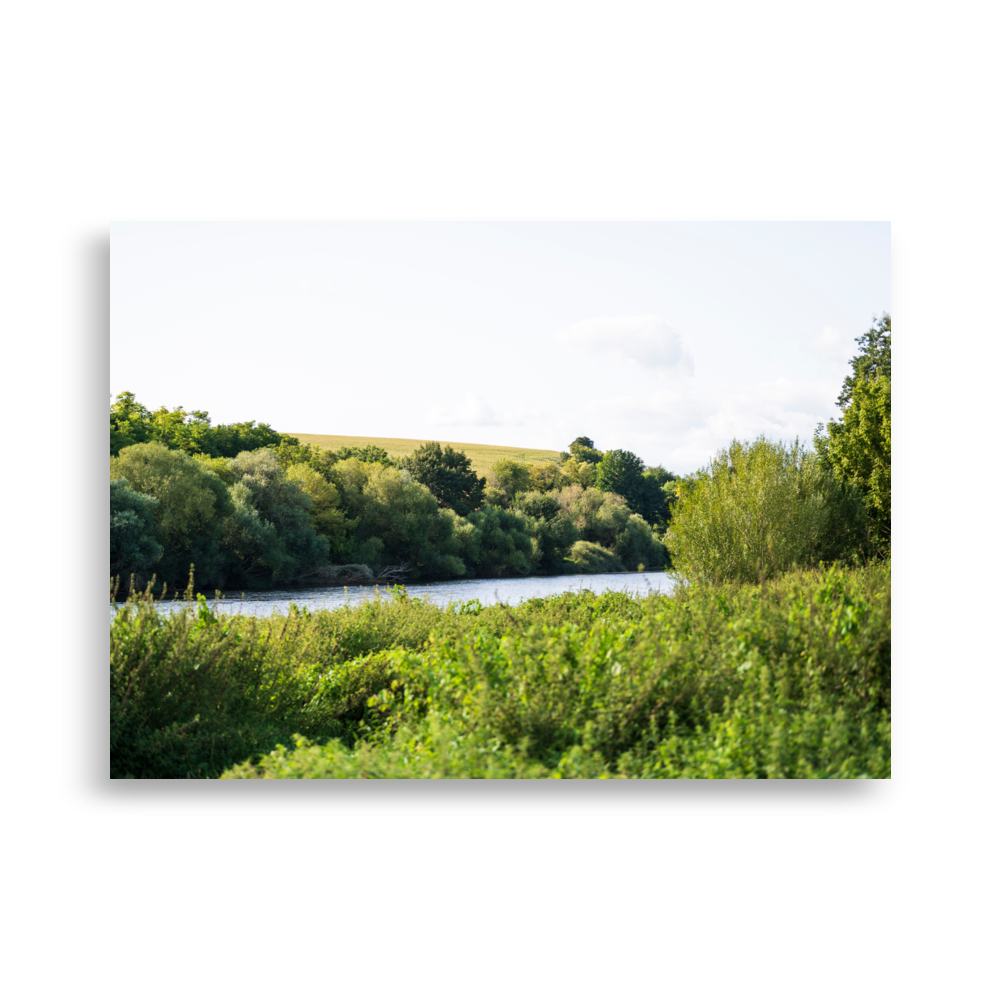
(713, 681)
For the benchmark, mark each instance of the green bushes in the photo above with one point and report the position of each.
(193, 504)
(788, 680)
(134, 547)
(589, 557)
(756, 510)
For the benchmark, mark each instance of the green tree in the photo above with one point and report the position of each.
(874, 359)
(583, 450)
(621, 472)
(275, 541)
(190, 516)
(398, 520)
(545, 477)
(551, 530)
(581, 473)
(230, 440)
(637, 547)
(129, 422)
(507, 478)
(503, 544)
(134, 548)
(598, 517)
(449, 475)
(858, 448)
(329, 519)
(756, 510)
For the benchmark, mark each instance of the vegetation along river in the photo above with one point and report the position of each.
(511, 590)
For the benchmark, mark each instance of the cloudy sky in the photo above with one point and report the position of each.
(665, 339)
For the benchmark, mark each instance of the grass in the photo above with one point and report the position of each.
(787, 680)
(482, 456)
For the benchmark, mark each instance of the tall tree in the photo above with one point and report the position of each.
(621, 472)
(874, 359)
(449, 475)
(858, 447)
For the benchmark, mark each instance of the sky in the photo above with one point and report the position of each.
(665, 339)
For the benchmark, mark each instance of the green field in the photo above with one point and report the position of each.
(482, 456)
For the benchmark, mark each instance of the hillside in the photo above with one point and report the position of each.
(482, 456)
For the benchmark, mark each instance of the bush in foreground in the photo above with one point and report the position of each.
(787, 680)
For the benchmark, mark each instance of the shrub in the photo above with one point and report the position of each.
(593, 558)
(756, 510)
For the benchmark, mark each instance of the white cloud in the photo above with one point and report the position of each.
(472, 411)
(684, 427)
(646, 341)
(832, 345)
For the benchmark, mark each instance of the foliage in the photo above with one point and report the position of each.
(508, 478)
(329, 519)
(271, 535)
(545, 478)
(590, 557)
(582, 450)
(874, 361)
(859, 447)
(790, 680)
(598, 517)
(501, 544)
(134, 548)
(397, 520)
(637, 547)
(756, 510)
(448, 474)
(624, 474)
(552, 532)
(581, 473)
(189, 519)
(183, 430)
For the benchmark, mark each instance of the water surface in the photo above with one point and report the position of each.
(510, 590)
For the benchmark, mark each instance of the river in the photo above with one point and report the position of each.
(510, 590)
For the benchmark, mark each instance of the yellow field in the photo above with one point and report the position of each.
(482, 456)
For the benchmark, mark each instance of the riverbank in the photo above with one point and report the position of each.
(789, 680)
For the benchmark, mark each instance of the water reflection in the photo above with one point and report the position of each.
(509, 591)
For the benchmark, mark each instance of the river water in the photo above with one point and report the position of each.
(510, 591)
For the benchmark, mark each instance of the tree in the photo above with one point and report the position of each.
(272, 537)
(756, 510)
(129, 422)
(502, 546)
(398, 520)
(621, 472)
(583, 450)
(598, 517)
(636, 546)
(507, 478)
(545, 477)
(329, 518)
(874, 360)
(581, 473)
(449, 475)
(189, 519)
(858, 448)
(551, 530)
(134, 548)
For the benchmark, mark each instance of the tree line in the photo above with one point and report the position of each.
(251, 508)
